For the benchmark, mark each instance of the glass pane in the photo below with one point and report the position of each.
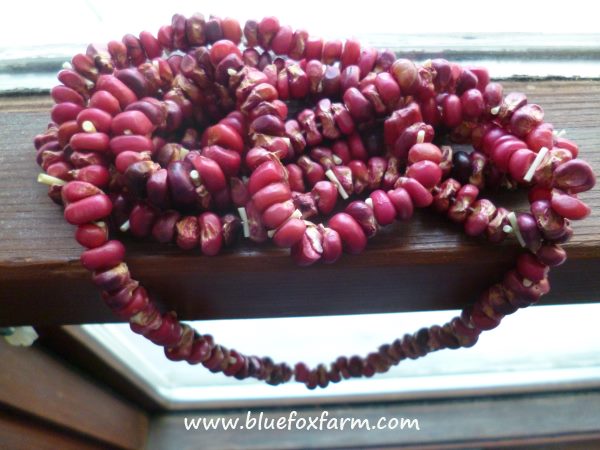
(539, 348)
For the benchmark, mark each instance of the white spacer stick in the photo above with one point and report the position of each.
(337, 160)
(369, 201)
(535, 164)
(125, 226)
(195, 176)
(329, 174)
(244, 217)
(49, 180)
(512, 218)
(527, 282)
(495, 110)
(421, 136)
(67, 65)
(507, 229)
(88, 126)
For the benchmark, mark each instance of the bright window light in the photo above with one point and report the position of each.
(536, 349)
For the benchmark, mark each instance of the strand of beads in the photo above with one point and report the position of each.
(186, 138)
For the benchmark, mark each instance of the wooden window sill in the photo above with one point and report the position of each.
(425, 264)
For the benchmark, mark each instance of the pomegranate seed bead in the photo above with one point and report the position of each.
(309, 249)
(313, 49)
(211, 234)
(383, 208)
(402, 202)
(107, 255)
(472, 104)
(574, 176)
(92, 235)
(425, 172)
(289, 233)
(273, 193)
(569, 206)
(267, 29)
(88, 209)
(353, 238)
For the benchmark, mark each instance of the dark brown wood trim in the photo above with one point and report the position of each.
(37, 384)
(467, 423)
(68, 348)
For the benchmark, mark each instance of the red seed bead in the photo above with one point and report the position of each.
(228, 160)
(133, 142)
(77, 190)
(210, 173)
(332, 245)
(131, 122)
(271, 194)
(353, 237)
(289, 233)
(94, 120)
(105, 101)
(364, 216)
(541, 136)
(275, 215)
(61, 94)
(519, 164)
(314, 48)
(406, 75)
(221, 49)
(295, 178)
(211, 233)
(472, 104)
(388, 89)
(351, 53)
(150, 45)
(224, 136)
(349, 77)
(163, 229)
(332, 51)
(309, 249)
(325, 194)
(502, 152)
(188, 232)
(383, 208)
(91, 235)
(93, 174)
(452, 114)
(402, 202)
(117, 88)
(282, 41)
(424, 152)
(574, 176)
(569, 206)
(567, 145)
(267, 29)
(525, 119)
(127, 158)
(420, 196)
(97, 142)
(231, 30)
(425, 172)
(88, 209)
(63, 112)
(298, 45)
(108, 255)
(358, 106)
(531, 268)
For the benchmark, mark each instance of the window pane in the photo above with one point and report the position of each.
(539, 348)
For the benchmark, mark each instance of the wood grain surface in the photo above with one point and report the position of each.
(424, 264)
